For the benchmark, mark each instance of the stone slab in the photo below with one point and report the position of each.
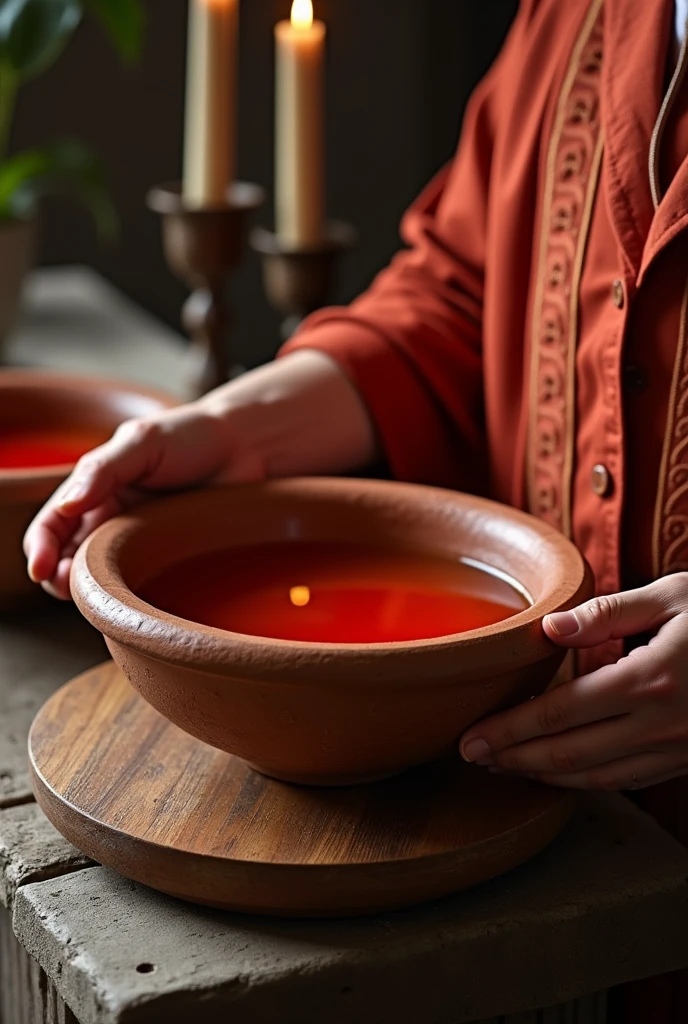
(40, 650)
(27, 996)
(75, 322)
(606, 903)
(31, 850)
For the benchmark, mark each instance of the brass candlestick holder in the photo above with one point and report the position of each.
(299, 280)
(202, 247)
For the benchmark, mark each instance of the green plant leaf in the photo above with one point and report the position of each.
(34, 32)
(64, 167)
(123, 20)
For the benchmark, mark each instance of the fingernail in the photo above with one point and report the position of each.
(475, 750)
(32, 573)
(77, 492)
(563, 623)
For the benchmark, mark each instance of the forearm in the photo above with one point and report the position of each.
(298, 416)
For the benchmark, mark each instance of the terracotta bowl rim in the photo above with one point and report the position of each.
(103, 597)
(47, 380)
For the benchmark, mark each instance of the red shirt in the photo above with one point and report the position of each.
(530, 344)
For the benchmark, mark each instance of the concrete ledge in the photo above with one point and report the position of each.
(26, 995)
(31, 850)
(606, 903)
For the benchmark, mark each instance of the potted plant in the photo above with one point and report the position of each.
(33, 34)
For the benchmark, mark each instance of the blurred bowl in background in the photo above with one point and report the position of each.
(47, 421)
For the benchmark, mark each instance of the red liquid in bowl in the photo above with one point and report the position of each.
(35, 449)
(332, 593)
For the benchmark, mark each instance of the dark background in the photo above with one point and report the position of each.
(399, 75)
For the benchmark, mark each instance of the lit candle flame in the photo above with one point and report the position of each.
(302, 14)
(300, 596)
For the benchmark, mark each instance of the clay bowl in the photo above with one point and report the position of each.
(315, 713)
(32, 400)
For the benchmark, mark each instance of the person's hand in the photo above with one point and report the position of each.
(173, 449)
(624, 726)
(300, 415)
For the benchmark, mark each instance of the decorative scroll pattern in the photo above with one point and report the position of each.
(670, 541)
(573, 165)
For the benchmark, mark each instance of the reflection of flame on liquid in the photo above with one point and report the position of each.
(300, 596)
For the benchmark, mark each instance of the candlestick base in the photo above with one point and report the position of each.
(299, 280)
(203, 245)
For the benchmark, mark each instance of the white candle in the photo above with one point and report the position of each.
(299, 143)
(210, 130)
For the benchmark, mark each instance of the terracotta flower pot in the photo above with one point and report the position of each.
(17, 243)
(324, 713)
(33, 400)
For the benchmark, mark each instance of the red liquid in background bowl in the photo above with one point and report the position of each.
(332, 593)
(35, 449)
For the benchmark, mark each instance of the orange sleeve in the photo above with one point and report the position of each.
(412, 343)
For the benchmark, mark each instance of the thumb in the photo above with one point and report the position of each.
(610, 617)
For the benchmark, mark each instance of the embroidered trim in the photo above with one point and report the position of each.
(670, 533)
(573, 166)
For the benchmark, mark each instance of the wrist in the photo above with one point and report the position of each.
(299, 415)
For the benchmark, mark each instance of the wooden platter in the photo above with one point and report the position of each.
(136, 793)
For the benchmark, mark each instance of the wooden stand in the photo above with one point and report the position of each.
(136, 793)
(299, 281)
(202, 247)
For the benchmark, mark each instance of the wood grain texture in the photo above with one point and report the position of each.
(136, 793)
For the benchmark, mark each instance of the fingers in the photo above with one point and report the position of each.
(619, 615)
(181, 446)
(635, 709)
(628, 773)
(590, 698)
(575, 750)
(44, 540)
(98, 482)
(624, 726)
(130, 454)
(58, 585)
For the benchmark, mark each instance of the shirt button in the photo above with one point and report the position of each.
(618, 297)
(601, 481)
(634, 379)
